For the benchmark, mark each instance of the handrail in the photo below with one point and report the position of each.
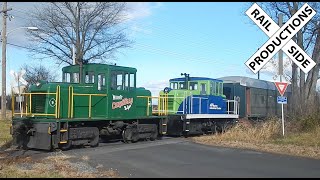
(28, 106)
(71, 99)
(235, 107)
(163, 104)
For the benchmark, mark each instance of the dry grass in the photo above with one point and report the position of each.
(5, 137)
(268, 137)
(57, 165)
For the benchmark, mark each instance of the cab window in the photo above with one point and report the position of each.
(217, 87)
(75, 77)
(132, 81)
(89, 78)
(182, 85)
(101, 82)
(174, 85)
(66, 77)
(211, 88)
(126, 81)
(193, 85)
(221, 88)
(122, 80)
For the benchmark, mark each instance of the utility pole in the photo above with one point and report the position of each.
(259, 70)
(4, 50)
(280, 52)
(281, 70)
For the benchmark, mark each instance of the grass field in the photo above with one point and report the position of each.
(56, 165)
(267, 136)
(5, 137)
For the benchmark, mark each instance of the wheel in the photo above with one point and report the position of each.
(135, 134)
(130, 134)
(154, 135)
(65, 146)
(94, 142)
(125, 136)
(185, 134)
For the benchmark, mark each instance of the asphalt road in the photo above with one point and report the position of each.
(179, 157)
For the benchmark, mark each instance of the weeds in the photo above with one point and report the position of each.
(5, 136)
(301, 137)
(57, 165)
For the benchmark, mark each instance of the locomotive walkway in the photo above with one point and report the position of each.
(179, 157)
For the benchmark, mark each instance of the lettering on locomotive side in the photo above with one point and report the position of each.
(126, 103)
(214, 106)
(115, 97)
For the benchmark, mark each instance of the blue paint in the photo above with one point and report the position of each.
(282, 100)
(209, 105)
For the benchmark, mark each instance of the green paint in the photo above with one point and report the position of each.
(195, 87)
(116, 83)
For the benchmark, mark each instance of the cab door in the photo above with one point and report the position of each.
(121, 95)
(203, 88)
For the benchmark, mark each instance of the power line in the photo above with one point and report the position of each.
(19, 46)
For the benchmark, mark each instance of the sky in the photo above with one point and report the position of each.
(203, 39)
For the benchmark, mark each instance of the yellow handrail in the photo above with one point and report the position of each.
(71, 97)
(69, 101)
(56, 114)
(163, 103)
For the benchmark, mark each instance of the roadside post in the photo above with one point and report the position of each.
(282, 86)
(280, 41)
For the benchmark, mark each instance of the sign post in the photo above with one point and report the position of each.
(280, 39)
(19, 89)
(282, 86)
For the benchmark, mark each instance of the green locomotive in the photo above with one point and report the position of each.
(105, 104)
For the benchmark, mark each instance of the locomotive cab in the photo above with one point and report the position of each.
(193, 95)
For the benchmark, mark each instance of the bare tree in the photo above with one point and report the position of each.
(303, 85)
(91, 28)
(36, 73)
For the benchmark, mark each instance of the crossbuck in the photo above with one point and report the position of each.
(280, 38)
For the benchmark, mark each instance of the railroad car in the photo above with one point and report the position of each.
(105, 103)
(257, 98)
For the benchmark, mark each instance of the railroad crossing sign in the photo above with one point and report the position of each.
(281, 86)
(18, 79)
(282, 100)
(280, 38)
